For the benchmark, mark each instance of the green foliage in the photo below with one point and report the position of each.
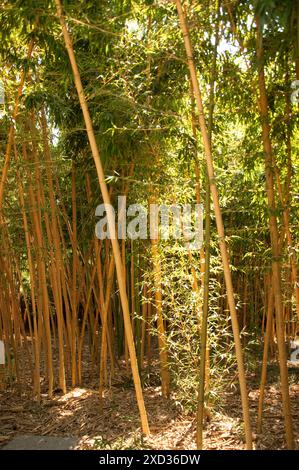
(133, 68)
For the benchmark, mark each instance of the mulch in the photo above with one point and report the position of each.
(117, 426)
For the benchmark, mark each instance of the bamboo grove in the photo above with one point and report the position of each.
(167, 102)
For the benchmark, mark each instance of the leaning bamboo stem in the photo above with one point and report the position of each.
(204, 354)
(204, 328)
(219, 223)
(106, 199)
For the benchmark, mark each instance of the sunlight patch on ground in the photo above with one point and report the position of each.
(76, 393)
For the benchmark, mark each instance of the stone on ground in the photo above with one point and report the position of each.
(41, 443)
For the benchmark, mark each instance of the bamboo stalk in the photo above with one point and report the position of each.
(263, 105)
(143, 325)
(204, 355)
(123, 254)
(110, 278)
(86, 308)
(106, 199)
(162, 342)
(74, 280)
(219, 223)
(265, 357)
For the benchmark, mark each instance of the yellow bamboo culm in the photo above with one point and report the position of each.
(165, 379)
(106, 199)
(273, 228)
(104, 338)
(219, 223)
(74, 280)
(265, 357)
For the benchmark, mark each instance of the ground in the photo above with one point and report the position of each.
(118, 426)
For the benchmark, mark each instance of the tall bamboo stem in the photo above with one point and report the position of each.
(263, 104)
(106, 199)
(265, 357)
(219, 222)
(204, 323)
